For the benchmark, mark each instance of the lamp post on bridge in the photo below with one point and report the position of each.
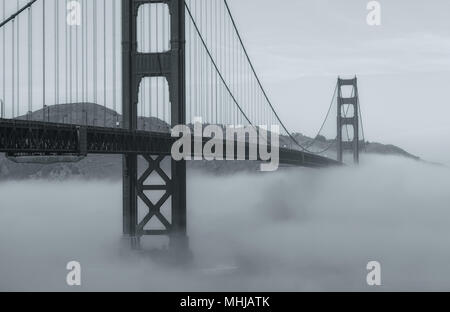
(116, 120)
(2, 109)
(46, 107)
(85, 117)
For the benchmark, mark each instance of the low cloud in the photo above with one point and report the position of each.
(293, 230)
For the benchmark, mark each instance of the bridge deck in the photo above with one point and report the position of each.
(18, 138)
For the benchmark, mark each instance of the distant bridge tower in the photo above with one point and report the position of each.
(348, 105)
(171, 66)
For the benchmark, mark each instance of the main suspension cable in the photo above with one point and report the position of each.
(259, 82)
(14, 15)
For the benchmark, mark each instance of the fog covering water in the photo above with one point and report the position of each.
(293, 230)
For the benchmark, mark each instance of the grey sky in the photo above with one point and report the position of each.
(300, 47)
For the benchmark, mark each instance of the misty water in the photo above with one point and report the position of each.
(293, 230)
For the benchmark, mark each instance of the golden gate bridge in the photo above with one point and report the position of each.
(112, 76)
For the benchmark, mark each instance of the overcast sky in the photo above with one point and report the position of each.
(300, 47)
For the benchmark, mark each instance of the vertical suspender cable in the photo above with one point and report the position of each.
(30, 64)
(114, 91)
(232, 79)
(207, 74)
(204, 69)
(43, 56)
(150, 10)
(83, 58)
(211, 74)
(18, 62)
(157, 50)
(205, 66)
(66, 59)
(166, 83)
(142, 43)
(235, 85)
(104, 63)
(94, 56)
(195, 61)
(146, 37)
(70, 67)
(86, 52)
(201, 68)
(240, 85)
(361, 119)
(204, 31)
(58, 58)
(210, 98)
(77, 69)
(221, 61)
(164, 47)
(3, 113)
(77, 51)
(142, 86)
(249, 93)
(56, 52)
(248, 82)
(197, 69)
(193, 65)
(139, 36)
(211, 32)
(147, 85)
(239, 80)
(219, 58)
(217, 55)
(229, 49)
(13, 68)
(189, 119)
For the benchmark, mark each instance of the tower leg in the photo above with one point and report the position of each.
(136, 187)
(178, 237)
(130, 200)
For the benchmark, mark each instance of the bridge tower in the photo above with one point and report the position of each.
(343, 120)
(135, 67)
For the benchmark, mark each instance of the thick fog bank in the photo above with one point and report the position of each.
(296, 229)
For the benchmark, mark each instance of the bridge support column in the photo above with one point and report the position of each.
(136, 66)
(344, 121)
(130, 212)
